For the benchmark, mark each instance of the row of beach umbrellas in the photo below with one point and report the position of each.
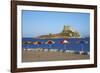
(47, 42)
(50, 42)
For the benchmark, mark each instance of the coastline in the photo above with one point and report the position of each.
(41, 55)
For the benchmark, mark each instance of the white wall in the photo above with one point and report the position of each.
(5, 36)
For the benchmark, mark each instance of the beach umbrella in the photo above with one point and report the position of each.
(27, 43)
(50, 42)
(24, 44)
(64, 42)
(37, 43)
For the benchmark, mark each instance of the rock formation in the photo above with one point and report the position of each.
(67, 32)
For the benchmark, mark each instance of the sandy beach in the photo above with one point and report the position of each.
(37, 56)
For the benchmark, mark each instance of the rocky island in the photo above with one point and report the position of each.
(67, 32)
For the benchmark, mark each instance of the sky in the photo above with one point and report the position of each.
(36, 23)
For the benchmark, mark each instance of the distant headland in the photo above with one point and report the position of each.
(67, 32)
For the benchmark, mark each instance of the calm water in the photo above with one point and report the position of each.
(74, 44)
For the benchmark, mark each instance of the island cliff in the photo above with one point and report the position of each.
(67, 32)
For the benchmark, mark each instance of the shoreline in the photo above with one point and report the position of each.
(40, 55)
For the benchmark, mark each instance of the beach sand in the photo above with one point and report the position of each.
(37, 56)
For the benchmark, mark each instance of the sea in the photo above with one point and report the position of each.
(76, 44)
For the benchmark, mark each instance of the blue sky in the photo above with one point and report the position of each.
(36, 23)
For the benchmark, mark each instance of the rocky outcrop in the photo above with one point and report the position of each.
(67, 32)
